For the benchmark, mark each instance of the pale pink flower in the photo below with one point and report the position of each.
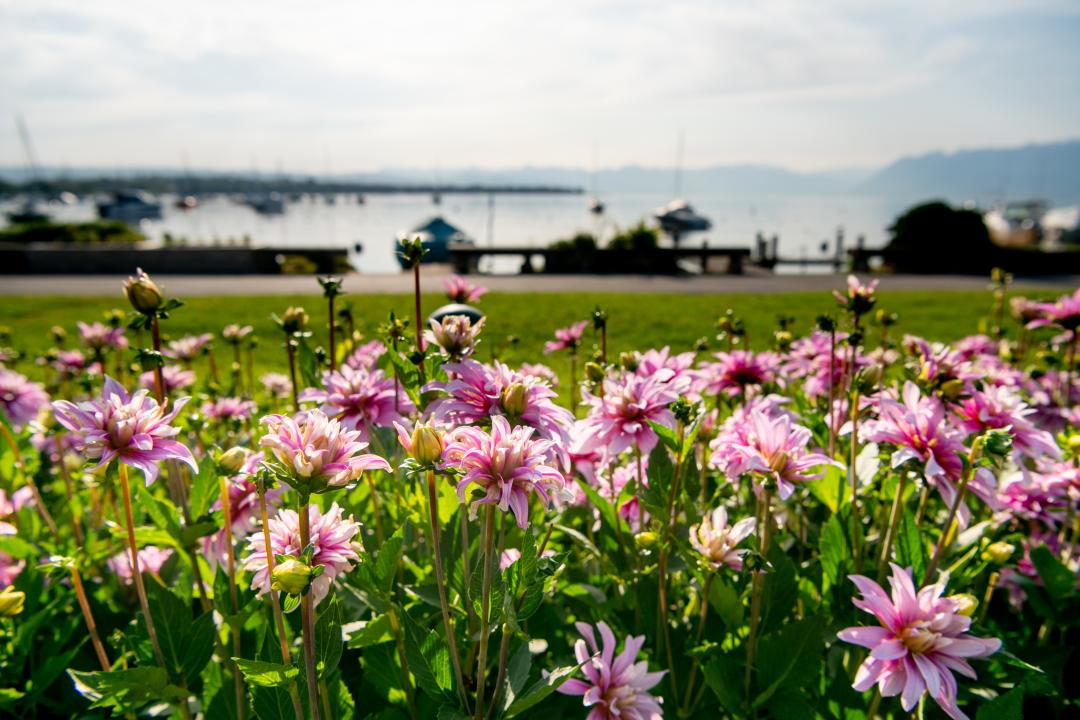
(173, 377)
(938, 363)
(808, 360)
(276, 384)
(98, 336)
(70, 364)
(653, 361)
(1002, 408)
(331, 536)
(715, 540)
(460, 290)
(736, 373)
(456, 335)
(358, 398)
(366, 357)
(235, 333)
(151, 560)
(775, 448)
(506, 464)
(187, 348)
(1034, 497)
(133, 429)
(228, 409)
(540, 372)
(616, 688)
(318, 453)
(619, 418)
(859, 298)
(567, 338)
(974, 346)
(20, 399)
(1063, 312)
(922, 640)
(243, 507)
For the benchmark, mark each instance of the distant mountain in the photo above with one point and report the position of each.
(1049, 171)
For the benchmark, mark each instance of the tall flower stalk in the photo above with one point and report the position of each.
(490, 558)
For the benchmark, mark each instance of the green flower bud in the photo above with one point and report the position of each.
(11, 602)
(593, 372)
(997, 442)
(145, 296)
(291, 576)
(998, 552)
(58, 334)
(966, 604)
(294, 320)
(951, 389)
(645, 540)
(513, 399)
(232, 459)
(427, 444)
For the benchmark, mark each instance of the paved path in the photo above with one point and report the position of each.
(190, 285)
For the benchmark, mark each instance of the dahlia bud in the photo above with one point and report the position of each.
(997, 442)
(645, 540)
(965, 604)
(868, 379)
(629, 361)
(232, 459)
(58, 334)
(593, 372)
(291, 576)
(513, 399)
(11, 602)
(951, 389)
(998, 552)
(1073, 443)
(294, 320)
(142, 293)
(427, 444)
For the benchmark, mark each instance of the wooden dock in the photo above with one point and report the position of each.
(659, 261)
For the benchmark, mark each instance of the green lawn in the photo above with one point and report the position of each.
(635, 321)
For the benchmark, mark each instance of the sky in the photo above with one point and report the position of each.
(334, 87)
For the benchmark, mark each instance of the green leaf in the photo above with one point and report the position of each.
(328, 638)
(602, 504)
(541, 689)
(1009, 706)
(205, 488)
(266, 674)
(1060, 582)
(17, 548)
(667, 435)
(910, 547)
(272, 703)
(126, 690)
(185, 643)
(381, 669)
(163, 512)
(835, 552)
(779, 589)
(386, 561)
(789, 658)
(517, 673)
(789, 705)
(727, 604)
(832, 489)
(309, 367)
(429, 660)
(375, 632)
(724, 676)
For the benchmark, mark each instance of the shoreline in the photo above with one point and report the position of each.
(401, 283)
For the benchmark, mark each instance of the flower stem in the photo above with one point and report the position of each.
(939, 549)
(307, 618)
(890, 532)
(279, 621)
(234, 604)
(764, 522)
(333, 340)
(485, 607)
(687, 707)
(290, 350)
(440, 581)
(832, 394)
(159, 379)
(91, 626)
(663, 630)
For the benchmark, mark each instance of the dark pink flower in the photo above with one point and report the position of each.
(505, 464)
(20, 399)
(359, 399)
(1002, 408)
(331, 535)
(133, 429)
(739, 372)
(616, 688)
(460, 290)
(567, 338)
(923, 638)
(1063, 312)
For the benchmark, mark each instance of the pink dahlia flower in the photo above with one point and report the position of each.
(616, 688)
(228, 408)
(808, 360)
(460, 290)
(366, 357)
(133, 429)
(739, 372)
(20, 399)
(456, 335)
(653, 361)
(540, 372)
(859, 298)
(618, 419)
(567, 338)
(98, 336)
(151, 560)
(716, 540)
(173, 377)
(359, 399)
(188, 347)
(243, 507)
(1063, 312)
(276, 384)
(506, 464)
(922, 640)
(1002, 408)
(70, 364)
(610, 484)
(331, 535)
(316, 453)
(775, 448)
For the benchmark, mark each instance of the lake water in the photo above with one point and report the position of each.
(801, 222)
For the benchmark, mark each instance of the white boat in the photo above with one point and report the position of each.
(677, 218)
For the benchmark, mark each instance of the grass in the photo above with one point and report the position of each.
(634, 321)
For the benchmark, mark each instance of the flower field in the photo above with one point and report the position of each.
(849, 521)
